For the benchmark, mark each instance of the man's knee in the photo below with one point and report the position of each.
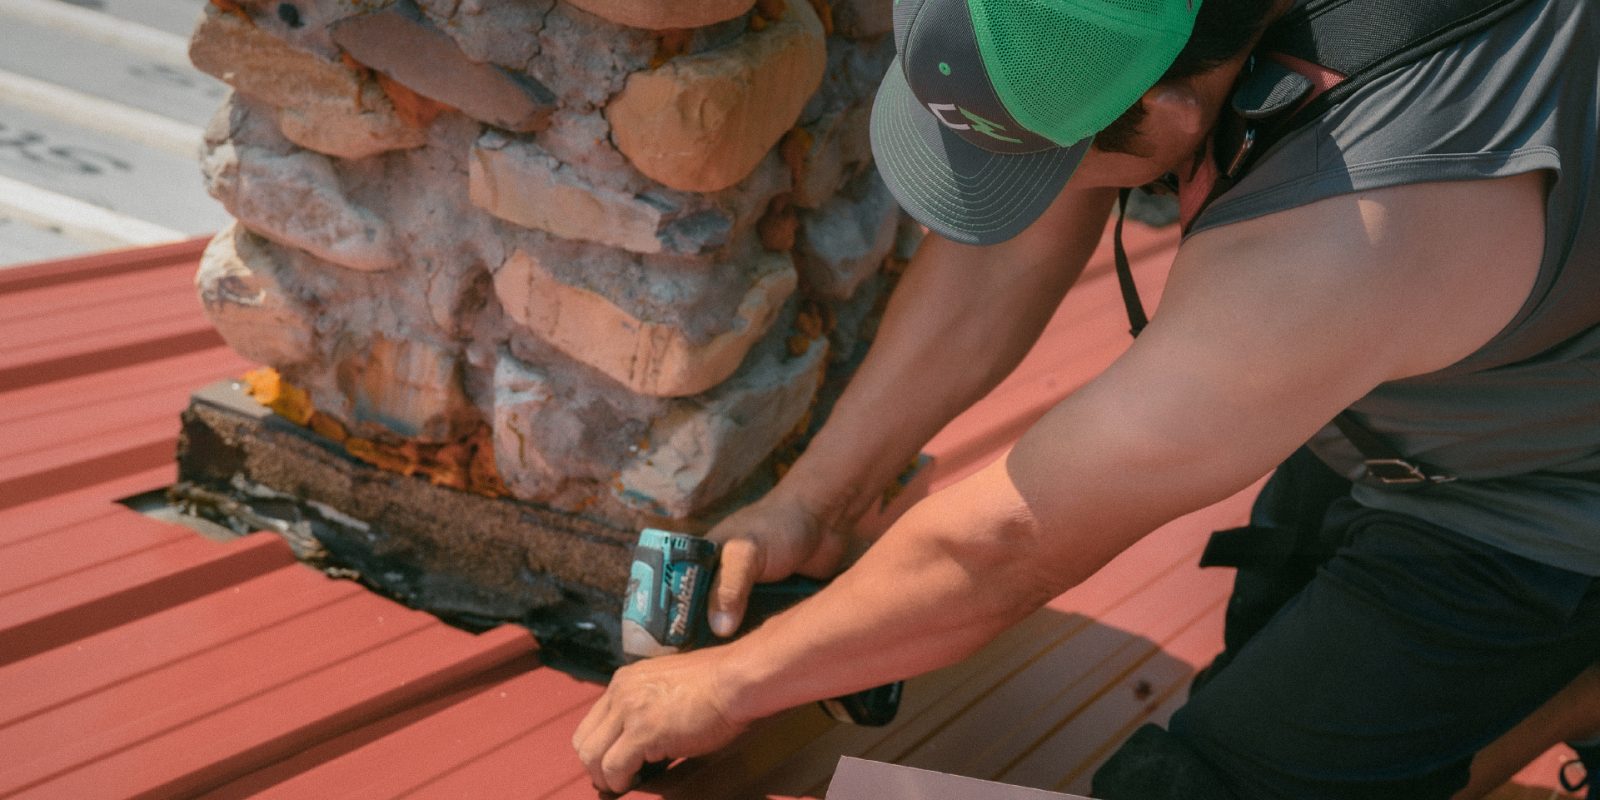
(1156, 765)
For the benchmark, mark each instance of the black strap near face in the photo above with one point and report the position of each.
(1364, 39)
(1130, 291)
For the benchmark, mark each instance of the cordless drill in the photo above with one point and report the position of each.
(666, 609)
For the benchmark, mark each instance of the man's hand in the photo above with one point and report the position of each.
(667, 707)
(768, 541)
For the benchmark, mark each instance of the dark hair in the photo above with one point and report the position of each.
(1222, 29)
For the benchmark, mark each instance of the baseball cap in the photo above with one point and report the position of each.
(990, 105)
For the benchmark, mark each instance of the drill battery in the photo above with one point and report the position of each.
(665, 611)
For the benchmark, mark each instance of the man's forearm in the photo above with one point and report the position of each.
(949, 576)
(959, 322)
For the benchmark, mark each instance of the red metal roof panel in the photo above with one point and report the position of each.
(139, 660)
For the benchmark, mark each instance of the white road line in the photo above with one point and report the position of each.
(77, 219)
(98, 27)
(98, 114)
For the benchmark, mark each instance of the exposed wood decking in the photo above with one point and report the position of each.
(139, 659)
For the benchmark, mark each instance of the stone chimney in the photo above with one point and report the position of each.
(593, 264)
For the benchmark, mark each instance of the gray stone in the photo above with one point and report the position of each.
(291, 196)
(703, 447)
(846, 240)
(399, 42)
(863, 19)
(855, 68)
(304, 24)
(585, 59)
(500, 33)
(241, 287)
(524, 399)
(839, 148)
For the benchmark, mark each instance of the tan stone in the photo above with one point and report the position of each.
(703, 447)
(664, 14)
(408, 387)
(519, 182)
(650, 358)
(837, 145)
(241, 288)
(320, 105)
(702, 122)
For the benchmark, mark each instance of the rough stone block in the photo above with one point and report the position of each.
(651, 358)
(320, 104)
(242, 290)
(863, 19)
(290, 196)
(705, 446)
(519, 182)
(492, 32)
(836, 147)
(846, 240)
(409, 387)
(665, 14)
(523, 398)
(703, 122)
(399, 42)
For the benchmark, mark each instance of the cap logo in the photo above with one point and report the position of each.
(974, 122)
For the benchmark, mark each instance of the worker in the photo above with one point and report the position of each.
(1417, 606)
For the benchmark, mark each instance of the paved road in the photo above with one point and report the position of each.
(100, 121)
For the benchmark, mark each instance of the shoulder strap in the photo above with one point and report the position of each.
(1365, 39)
(1321, 53)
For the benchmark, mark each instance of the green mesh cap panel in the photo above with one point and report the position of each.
(1066, 69)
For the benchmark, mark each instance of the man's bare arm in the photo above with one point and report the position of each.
(1267, 329)
(960, 320)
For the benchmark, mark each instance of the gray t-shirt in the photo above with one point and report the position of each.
(1514, 417)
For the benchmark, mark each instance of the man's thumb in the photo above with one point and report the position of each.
(730, 592)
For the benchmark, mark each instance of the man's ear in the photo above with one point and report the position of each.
(1172, 108)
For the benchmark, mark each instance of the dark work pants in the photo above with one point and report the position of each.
(1371, 659)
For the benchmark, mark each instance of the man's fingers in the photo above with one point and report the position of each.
(596, 743)
(730, 592)
(597, 712)
(621, 763)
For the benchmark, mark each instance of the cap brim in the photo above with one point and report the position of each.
(961, 191)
